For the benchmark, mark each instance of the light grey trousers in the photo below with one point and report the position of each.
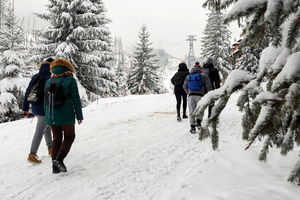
(192, 101)
(40, 130)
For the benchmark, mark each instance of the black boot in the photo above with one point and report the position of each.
(55, 167)
(193, 129)
(60, 159)
(178, 115)
(179, 119)
(184, 116)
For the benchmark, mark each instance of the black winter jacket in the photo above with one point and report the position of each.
(38, 108)
(213, 75)
(179, 77)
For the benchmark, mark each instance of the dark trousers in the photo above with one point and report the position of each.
(63, 138)
(181, 94)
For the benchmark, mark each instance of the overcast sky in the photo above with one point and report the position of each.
(168, 21)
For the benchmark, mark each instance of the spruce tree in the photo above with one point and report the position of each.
(78, 32)
(215, 42)
(270, 97)
(143, 76)
(2, 11)
(120, 68)
(12, 85)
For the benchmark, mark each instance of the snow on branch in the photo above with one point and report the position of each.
(290, 71)
(267, 96)
(234, 80)
(241, 8)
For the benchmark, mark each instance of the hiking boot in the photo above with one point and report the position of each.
(58, 166)
(33, 158)
(55, 167)
(179, 119)
(193, 129)
(50, 152)
(184, 116)
(60, 159)
(62, 167)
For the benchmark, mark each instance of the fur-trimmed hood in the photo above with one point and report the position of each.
(62, 63)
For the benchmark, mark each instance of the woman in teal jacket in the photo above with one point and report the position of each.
(62, 118)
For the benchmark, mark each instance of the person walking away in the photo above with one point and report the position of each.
(62, 106)
(197, 64)
(214, 77)
(178, 80)
(196, 84)
(38, 82)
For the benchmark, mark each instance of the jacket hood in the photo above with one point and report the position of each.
(182, 67)
(61, 63)
(195, 70)
(208, 65)
(44, 68)
(59, 70)
(210, 60)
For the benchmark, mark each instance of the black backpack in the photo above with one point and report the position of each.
(178, 79)
(54, 93)
(36, 93)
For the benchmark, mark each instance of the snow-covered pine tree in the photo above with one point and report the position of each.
(12, 85)
(120, 68)
(78, 31)
(166, 69)
(143, 76)
(216, 42)
(119, 56)
(273, 91)
(2, 11)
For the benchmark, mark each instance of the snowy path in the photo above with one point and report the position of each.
(132, 148)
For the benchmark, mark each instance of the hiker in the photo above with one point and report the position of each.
(178, 80)
(196, 84)
(38, 81)
(62, 105)
(197, 64)
(214, 77)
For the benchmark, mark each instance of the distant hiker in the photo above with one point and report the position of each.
(214, 77)
(197, 64)
(196, 85)
(178, 80)
(62, 105)
(36, 89)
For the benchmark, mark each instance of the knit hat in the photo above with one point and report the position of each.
(63, 63)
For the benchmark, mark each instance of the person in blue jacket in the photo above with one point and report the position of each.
(196, 85)
(38, 111)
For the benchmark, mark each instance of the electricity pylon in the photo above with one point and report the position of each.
(191, 56)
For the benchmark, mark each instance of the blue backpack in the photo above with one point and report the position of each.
(195, 82)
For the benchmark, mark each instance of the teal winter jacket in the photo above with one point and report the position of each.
(71, 109)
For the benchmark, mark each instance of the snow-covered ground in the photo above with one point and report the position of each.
(133, 148)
